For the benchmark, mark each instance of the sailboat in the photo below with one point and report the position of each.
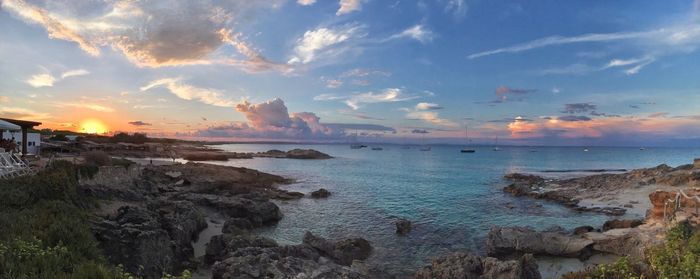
(425, 147)
(496, 148)
(355, 144)
(467, 141)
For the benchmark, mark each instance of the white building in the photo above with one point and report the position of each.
(33, 141)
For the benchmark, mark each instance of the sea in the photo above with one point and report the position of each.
(452, 198)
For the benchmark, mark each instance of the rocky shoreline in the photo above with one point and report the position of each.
(151, 216)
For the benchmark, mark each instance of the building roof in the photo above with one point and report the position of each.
(22, 123)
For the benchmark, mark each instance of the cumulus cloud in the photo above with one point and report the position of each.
(48, 80)
(349, 6)
(428, 106)
(417, 32)
(188, 92)
(139, 123)
(324, 42)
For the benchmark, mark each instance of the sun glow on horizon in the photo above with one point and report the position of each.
(93, 126)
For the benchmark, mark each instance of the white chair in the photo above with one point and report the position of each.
(21, 164)
(7, 169)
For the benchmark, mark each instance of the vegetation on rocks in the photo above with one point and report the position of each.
(45, 231)
(677, 258)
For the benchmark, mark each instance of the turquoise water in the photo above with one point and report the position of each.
(452, 198)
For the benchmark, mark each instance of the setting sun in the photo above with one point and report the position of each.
(93, 126)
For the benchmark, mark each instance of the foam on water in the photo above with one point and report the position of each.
(452, 198)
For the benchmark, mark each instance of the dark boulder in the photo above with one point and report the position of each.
(403, 226)
(504, 241)
(343, 252)
(461, 265)
(320, 193)
(236, 224)
(622, 224)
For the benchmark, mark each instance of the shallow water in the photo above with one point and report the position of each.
(452, 198)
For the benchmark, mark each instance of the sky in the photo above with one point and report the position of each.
(517, 72)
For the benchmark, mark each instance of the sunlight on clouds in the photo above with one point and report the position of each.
(47, 80)
(188, 92)
(317, 43)
(349, 6)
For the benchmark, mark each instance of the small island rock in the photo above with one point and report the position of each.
(320, 193)
(403, 226)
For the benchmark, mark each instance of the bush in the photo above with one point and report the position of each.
(678, 258)
(97, 158)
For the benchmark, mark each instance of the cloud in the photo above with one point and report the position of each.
(82, 105)
(48, 80)
(188, 92)
(636, 63)
(139, 123)
(359, 115)
(349, 6)
(417, 32)
(306, 2)
(329, 97)
(364, 127)
(360, 72)
(579, 108)
(430, 117)
(54, 27)
(428, 106)
(4, 99)
(679, 35)
(502, 92)
(23, 114)
(323, 42)
(572, 118)
(389, 95)
(333, 83)
(457, 8)
(419, 131)
(150, 34)
(658, 115)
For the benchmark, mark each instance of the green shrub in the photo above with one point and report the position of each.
(677, 258)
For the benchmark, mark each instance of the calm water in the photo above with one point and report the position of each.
(452, 198)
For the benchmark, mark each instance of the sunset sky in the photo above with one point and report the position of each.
(527, 72)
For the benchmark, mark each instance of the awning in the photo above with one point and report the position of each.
(4, 125)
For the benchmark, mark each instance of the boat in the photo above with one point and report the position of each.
(496, 148)
(356, 146)
(467, 142)
(642, 148)
(425, 148)
(585, 150)
(377, 148)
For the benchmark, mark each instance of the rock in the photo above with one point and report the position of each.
(284, 195)
(583, 229)
(254, 207)
(320, 193)
(658, 200)
(307, 154)
(622, 242)
(220, 246)
(503, 241)
(461, 265)
(236, 224)
(183, 222)
(136, 240)
(524, 178)
(173, 174)
(403, 226)
(621, 224)
(343, 252)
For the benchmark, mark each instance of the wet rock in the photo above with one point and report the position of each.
(320, 193)
(403, 226)
(284, 195)
(583, 229)
(461, 265)
(622, 224)
(524, 178)
(503, 241)
(343, 252)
